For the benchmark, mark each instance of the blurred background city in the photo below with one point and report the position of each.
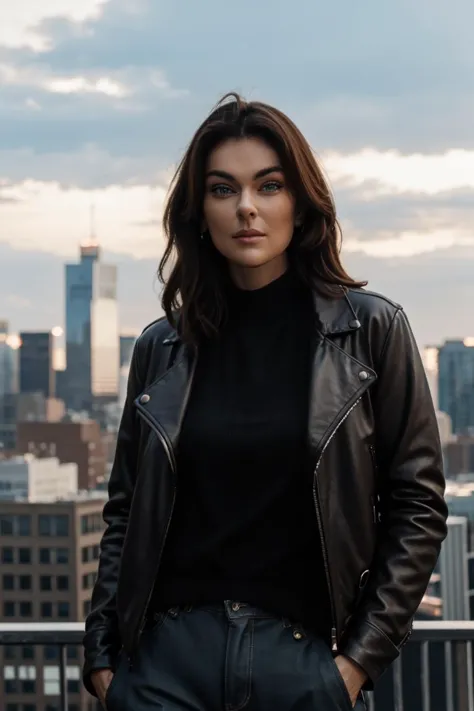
(97, 101)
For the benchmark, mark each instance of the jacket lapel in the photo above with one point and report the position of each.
(164, 401)
(338, 379)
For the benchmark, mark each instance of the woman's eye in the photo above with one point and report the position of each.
(221, 189)
(272, 186)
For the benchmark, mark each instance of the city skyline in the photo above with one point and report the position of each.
(99, 102)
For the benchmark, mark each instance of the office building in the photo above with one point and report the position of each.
(429, 357)
(9, 344)
(92, 338)
(456, 383)
(127, 344)
(459, 455)
(26, 477)
(49, 553)
(37, 374)
(445, 428)
(454, 570)
(76, 442)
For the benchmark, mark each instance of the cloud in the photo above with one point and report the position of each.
(33, 77)
(56, 220)
(21, 21)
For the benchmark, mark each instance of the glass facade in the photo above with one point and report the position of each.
(36, 363)
(92, 338)
(456, 384)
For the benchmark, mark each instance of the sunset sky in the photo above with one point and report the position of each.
(98, 99)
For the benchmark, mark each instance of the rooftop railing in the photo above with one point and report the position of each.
(441, 651)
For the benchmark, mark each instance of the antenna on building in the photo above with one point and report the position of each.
(92, 223)
(90, 246)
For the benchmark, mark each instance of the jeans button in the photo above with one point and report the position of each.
(235, 606)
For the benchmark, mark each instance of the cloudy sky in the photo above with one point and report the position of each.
(99, 98)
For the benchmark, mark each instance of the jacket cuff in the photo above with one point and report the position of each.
(102, 662)
(371, 649)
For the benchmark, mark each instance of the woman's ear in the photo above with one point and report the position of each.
(298, 219)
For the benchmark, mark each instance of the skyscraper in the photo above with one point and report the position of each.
(36, 363)
(8, 360)
(456, 383)
(9, 344)
(92, 337)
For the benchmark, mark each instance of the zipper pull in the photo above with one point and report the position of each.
(333, 640)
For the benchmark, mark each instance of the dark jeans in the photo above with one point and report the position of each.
(226, 658)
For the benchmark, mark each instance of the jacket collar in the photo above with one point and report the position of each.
(336, 315)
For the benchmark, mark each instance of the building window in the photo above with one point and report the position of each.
(72, 653)
(25, 582)
(24, 525)
(24, 555)
(46, 609)
(9, 652)
(51, 652)
(86, 607)
(73, 686)
(29, 707)
(63, 609)
(8, 609)
(26, 609)
(8, 582)
(7, 555)
(11, 686)
(46, 582)
(45, 555)
(62, 556)
(6, 525)
(91, 523)
(28, 652)
(12, 707)
(15, 525)
(53, 525)
(28, 686)
(51, 679)
(62, 582)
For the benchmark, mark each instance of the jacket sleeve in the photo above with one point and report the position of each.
(413, 510)
(101, 639)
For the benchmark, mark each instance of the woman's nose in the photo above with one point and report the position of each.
(246, 207)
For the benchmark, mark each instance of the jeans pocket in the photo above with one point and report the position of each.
(155, 621)
(108, 693)
(341, 684)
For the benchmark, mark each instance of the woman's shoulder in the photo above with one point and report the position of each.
(153, 341)
(370, 305)
(158, 330)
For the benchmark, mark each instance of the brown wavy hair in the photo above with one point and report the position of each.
(193, 272)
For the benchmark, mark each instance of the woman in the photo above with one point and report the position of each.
(276, 502)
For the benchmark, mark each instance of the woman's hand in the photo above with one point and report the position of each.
(354, 677)
(101, 680)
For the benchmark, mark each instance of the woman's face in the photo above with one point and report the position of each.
(249, 210)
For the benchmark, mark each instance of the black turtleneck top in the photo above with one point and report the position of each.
(244, 525)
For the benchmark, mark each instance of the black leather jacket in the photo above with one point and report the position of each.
(378, 481)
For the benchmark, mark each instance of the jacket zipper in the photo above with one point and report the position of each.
(168, 447)
(334, 640)
(375, 512)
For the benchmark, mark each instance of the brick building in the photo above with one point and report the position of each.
(77, 442)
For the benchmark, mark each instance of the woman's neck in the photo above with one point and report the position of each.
(252, 278)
